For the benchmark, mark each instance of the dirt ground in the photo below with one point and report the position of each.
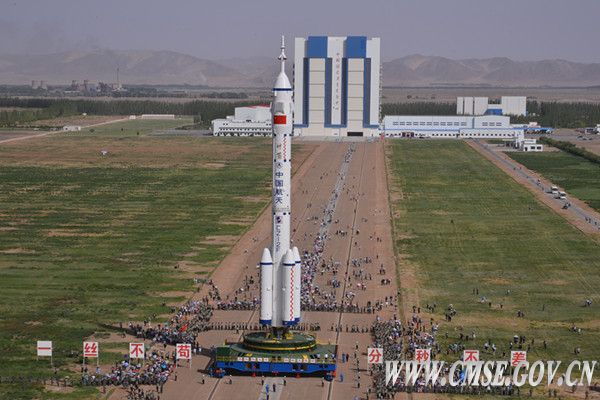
(150, 152)
(363, 211)
(81, 120)
(18, 135)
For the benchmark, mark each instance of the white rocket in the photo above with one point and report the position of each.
(280, 268)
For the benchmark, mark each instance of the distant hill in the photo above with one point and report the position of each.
(168, 67)
(135, 67)
(417, 70)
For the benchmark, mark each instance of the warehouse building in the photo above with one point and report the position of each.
(246, 121)
(450, 127)
(508, 105)
(337, 86)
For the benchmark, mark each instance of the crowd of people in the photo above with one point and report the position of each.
(187, 322)
(155, 370)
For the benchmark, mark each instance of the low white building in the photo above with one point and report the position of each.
(157, 116)
(246, 121)
(450, 127)
(523, 144)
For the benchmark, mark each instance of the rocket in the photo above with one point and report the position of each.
(280, 267)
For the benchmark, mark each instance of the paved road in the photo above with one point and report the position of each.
(585, 216)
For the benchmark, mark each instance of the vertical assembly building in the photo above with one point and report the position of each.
(337, 86)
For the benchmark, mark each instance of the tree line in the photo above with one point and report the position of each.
(554, 114)
(572, 149)
(20, 117)
(561, 115)
(52, 108)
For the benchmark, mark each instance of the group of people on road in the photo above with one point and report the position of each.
(154, 370)
(189, 319)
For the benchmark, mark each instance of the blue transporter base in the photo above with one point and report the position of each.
(263, 353)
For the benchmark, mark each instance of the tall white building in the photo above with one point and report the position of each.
(337, 86)
(509, 105)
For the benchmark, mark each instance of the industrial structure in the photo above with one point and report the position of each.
(279, 350)
(39, 85)
(337, 86)
(246, 121)
(508, 105)
(450, 127)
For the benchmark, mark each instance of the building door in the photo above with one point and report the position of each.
(355, 134)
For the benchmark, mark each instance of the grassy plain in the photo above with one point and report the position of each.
(87, 239)
(578, 176)
(463, 225)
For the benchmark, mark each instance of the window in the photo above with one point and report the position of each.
(429, 124)
(436, 123)
(422, 123)
(463, 124)
(442, 123)
(484, 124)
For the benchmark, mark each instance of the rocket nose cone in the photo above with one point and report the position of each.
(266, 257)
(296, 254)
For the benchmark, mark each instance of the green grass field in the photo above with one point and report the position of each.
(88, 240)
(578, 176)
(461, 224)
(131, 128)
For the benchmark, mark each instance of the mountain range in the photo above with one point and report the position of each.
(169, 67)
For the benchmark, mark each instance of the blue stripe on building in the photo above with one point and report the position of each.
(306, 93)
(367, 93)
(356, 47)
(344, 119)
(328, 90)
(316, 47)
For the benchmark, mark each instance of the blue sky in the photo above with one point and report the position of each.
(215, 29)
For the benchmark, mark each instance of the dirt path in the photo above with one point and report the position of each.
(538, 185)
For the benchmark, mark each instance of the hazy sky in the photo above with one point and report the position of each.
(214, 29)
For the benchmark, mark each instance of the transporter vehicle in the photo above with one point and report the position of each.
(554, 190)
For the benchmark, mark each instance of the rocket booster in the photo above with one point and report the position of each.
(283, 290)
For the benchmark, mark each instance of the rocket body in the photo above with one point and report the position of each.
(283, 285)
